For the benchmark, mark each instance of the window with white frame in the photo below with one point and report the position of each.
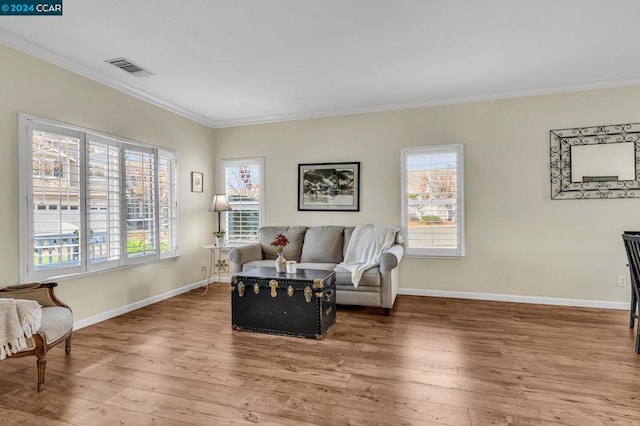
(91, 201)
(243, 181)
(433, 200)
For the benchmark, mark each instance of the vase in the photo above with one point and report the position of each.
(219, 241)
(281, 263)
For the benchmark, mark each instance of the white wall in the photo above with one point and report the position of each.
(519, 242)
(30, 85)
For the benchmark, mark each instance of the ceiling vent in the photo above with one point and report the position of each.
(128, 66)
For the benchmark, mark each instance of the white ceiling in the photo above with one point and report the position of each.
(230, 62)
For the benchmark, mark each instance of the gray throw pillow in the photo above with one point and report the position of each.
(323, 244)
(295, 235)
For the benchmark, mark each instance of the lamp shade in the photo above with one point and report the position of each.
(220, 204)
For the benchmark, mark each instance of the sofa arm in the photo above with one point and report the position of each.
(243, 254)
(391, 257)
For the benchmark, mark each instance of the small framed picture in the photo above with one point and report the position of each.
(329, 187)
(196, 182)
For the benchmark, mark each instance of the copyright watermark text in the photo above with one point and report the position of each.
(30, 7)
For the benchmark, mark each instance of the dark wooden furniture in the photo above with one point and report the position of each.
(632, 247)
(57, 323)
(301, 304)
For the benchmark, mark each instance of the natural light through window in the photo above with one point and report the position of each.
(433, 202)
(243, 179)
(94, 201)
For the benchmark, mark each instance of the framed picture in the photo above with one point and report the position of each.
(196, 182)
(329, 187)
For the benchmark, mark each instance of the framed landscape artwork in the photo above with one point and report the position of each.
(329, 187)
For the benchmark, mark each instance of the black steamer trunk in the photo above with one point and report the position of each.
(301, 304)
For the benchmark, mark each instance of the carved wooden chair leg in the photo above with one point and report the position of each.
(42, 365)
(67, 345)
(41, 357)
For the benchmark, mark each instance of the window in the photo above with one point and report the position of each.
(92, 201)
(433, 200)
(244, 186)
(103, 193)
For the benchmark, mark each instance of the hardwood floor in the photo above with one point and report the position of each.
(432, 362)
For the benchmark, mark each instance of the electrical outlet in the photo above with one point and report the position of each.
(622, 281)
(202, 265)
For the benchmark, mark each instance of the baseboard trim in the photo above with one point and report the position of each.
(86, 322)
(582, 303)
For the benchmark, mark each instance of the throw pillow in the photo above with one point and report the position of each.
(295, 235)
(323, 244)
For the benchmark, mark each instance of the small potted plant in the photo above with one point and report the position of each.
(220, 237)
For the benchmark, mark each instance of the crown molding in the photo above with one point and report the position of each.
(91, 74)
(497, 96)
(74, 67)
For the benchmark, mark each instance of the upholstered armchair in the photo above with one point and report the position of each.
(56, 326)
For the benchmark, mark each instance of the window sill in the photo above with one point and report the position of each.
(102, 271)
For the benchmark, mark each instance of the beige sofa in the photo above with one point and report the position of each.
(323, 247)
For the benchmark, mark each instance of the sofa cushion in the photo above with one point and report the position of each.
(295, 235)
(271, 264)
(370, 278)
(323, 244)
(362, 296)
(258, 264)
(317, 266)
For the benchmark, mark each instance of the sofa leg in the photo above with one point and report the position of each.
(386, 311)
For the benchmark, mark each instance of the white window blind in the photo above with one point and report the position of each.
(433, 200)
(244, 187)
(140, 202)
(55, 225)
(168, 203)
(92, 201)
(103, 202)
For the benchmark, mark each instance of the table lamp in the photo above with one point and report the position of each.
(219, 204)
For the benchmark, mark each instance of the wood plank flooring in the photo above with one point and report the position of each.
(432, 362)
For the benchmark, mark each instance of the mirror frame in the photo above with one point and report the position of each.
(562, 188)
